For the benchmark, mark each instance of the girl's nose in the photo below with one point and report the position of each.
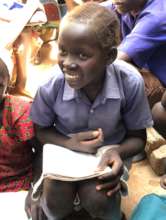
(69, 63)
(73, 65)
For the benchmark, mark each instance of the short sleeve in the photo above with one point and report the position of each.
(42, 108)
(136, 113)
(148, 34)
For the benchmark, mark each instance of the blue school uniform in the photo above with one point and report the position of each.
(121, 105)
(144, 37)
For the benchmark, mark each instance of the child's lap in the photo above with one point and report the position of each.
(63, 191)
(67, 191)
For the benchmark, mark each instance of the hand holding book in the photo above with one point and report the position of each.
(67, 165)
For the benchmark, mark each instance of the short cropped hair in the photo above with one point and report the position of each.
(3, 69)
(6, 62)
(104, 22)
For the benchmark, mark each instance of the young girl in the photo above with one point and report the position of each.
(99, 102)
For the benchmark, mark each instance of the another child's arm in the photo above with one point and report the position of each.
(87, 141)
(159, 116)
(132, 145)
(32, 208)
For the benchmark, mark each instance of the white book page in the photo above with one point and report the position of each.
(65, 164)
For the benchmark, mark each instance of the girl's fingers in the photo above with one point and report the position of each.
(113, 191)
(108, 185)
(88, 135)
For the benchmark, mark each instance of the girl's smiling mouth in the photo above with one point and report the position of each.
(73, 79)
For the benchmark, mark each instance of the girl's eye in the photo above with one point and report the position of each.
(62, 52)
(83, 56)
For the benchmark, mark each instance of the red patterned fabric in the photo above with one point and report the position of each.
(15, 152)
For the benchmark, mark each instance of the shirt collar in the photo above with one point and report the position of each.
(111, 88)
(69, 93)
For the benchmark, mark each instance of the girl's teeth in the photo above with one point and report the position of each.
(72, 76)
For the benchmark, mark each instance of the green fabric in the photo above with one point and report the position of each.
(150, 207)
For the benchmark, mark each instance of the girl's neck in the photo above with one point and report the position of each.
(92, 93)
(94, 89)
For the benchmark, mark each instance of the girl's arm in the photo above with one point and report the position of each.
(133, 144)
(87, 141)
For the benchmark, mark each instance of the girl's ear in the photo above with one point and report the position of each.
(111, 55)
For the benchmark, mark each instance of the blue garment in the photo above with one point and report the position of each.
(144, 37)
(150, 207)
(121, 105)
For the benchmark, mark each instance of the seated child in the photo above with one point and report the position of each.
(143, 41)
(18, 147)
(16, 131)
(91, 102)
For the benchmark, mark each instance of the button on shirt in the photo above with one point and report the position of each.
(121, 105)
(144, 37)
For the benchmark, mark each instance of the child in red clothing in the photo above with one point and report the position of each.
(16, 130)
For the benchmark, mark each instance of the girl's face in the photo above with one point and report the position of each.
(80, 56)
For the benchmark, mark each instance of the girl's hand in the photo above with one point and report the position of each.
(87, 141)
(110, 182)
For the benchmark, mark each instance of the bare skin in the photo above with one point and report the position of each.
(132, 6)
(159, 115)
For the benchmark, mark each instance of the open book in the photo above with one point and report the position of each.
(63, 164)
